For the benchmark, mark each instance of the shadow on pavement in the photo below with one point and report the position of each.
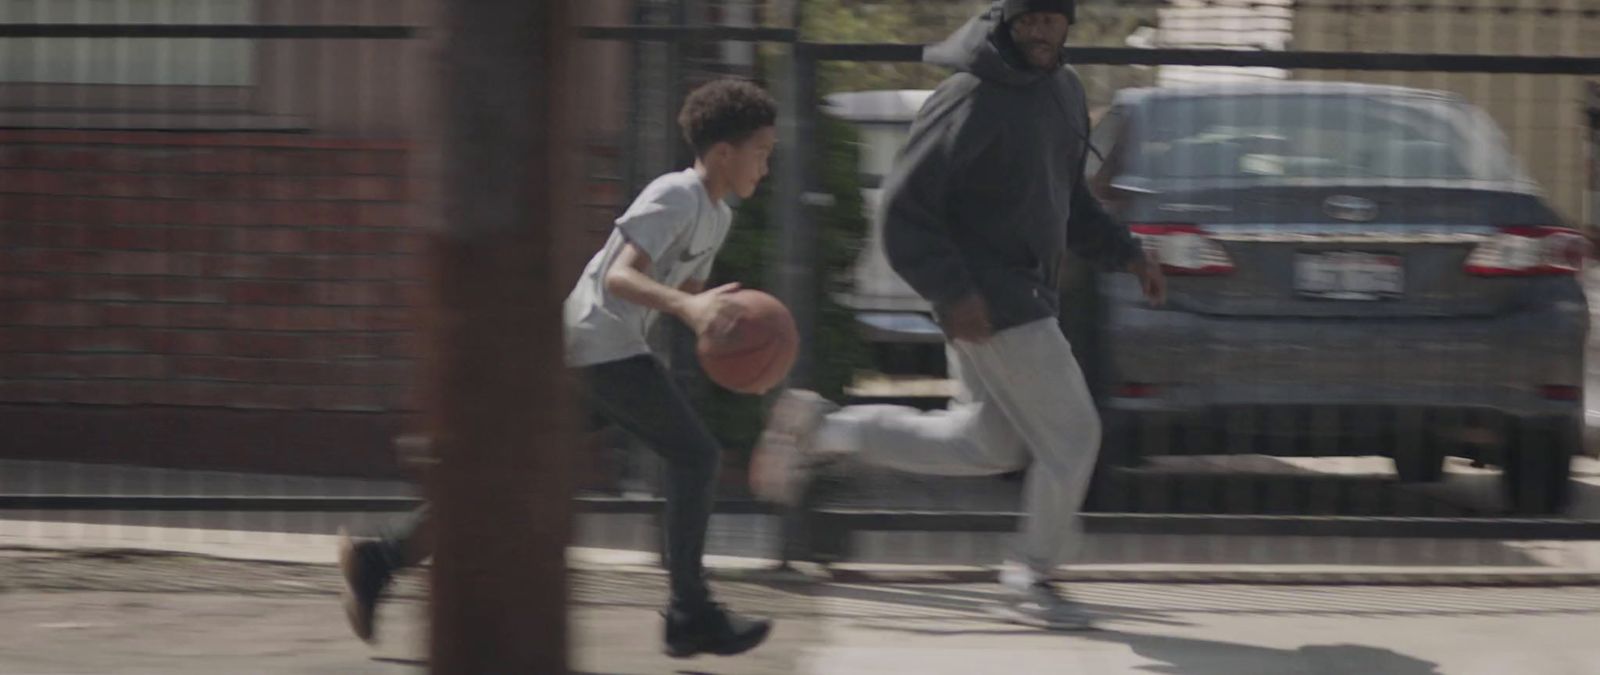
(1178, 655)
(1187, 656)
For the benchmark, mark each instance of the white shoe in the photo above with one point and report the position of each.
(786, 456)
(1040, 605)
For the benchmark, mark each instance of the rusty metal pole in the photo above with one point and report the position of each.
(500, 408)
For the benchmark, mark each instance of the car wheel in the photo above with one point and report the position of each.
(1119, 442)
(1538, 466)
(1420, 463)
(1109, 488)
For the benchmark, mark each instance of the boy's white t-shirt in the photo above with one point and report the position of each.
(673, 221)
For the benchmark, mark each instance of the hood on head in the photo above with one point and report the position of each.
(1012, 9)
(983, 47)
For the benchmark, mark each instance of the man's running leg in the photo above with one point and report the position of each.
(1024, 396)
(970, 438)
(1031, 376)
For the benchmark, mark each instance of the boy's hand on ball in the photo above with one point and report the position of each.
(711, 314)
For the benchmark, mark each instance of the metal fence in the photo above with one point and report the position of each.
(1245, 474)
(221, 276)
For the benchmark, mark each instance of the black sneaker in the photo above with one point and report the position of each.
(365, 578)
(713, 630)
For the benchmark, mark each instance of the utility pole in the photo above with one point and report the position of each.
(499, 403)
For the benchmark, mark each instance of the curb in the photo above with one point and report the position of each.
(758, 570)
(1516, 576)
(768, 571)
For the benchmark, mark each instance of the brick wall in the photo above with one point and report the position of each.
(215, 277)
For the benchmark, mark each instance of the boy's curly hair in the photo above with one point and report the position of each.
(725, 111)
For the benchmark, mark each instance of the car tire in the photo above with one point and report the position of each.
(1119, 442)
(1109, 487)
(1537, 470)
(1422, 463)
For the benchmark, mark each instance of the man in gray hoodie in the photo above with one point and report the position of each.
(986, 198)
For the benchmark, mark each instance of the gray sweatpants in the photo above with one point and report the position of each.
(1022, 397)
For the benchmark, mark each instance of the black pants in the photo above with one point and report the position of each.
(638, 395)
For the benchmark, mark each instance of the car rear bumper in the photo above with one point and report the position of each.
(1463, 399)
(1188, 363)
(1289, 430)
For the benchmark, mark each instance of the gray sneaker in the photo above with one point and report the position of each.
(1042, 606)
(785, 458)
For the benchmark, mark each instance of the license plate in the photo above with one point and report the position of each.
(1349, 275)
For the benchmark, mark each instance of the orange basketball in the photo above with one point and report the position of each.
(757, 354)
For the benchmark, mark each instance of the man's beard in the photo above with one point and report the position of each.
(1028, 53)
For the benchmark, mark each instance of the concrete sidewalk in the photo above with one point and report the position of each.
(78, 613)
(744, 550)
(753, 540)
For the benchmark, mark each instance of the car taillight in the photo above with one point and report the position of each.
(1559, 392)
(1529, 251)
(1184, 250)
(1136, 390)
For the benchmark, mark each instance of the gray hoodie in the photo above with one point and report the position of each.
(989, 191)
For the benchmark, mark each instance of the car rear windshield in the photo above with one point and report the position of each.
(1269, 138)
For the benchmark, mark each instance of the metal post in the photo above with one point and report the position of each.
(1592, 111)
(676, 340)
(794, 274)
(502, 492)
(796, 255)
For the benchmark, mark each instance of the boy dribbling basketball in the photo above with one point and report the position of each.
(656, 261)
